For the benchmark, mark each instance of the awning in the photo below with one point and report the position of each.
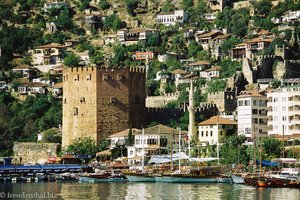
(167, 158)
(135, 158)
(203, 159)
(285, 160)
(104, 153)
(267, 163)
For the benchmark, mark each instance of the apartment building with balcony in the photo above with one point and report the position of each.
(284, 112)
(252, 114)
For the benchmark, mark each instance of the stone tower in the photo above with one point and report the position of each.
(98, 102)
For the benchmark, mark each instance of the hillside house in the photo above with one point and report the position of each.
(132, 36)
(47, 54)
(171, 18)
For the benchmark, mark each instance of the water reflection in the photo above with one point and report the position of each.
(151, 191)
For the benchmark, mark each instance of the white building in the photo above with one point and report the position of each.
(171, 18)
(132, 36)
(158, 140)
(121, 137)
(213, 72)
(284, 112)
(212, 130)
(54, 4)
(252, 114)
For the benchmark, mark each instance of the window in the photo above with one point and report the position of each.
(65, 101)
(221, 133)
(82, 100)
(112, 100)
(283, 108)
(206, 133)
(89, 77)
(75, 111)
(247, 103)
(254, 102)
(105, 77)
(76, 77)
(202, 133)
(284, 118)
(119, 77)
(211, 133)
(254, 111)
(131, 153)
(241, 103)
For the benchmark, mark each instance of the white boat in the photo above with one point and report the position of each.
(237, 179)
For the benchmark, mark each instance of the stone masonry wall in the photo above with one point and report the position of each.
(31, 152)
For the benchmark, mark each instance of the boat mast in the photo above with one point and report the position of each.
(143, 149)
(171, 152)
(179, 132)
(218, 153)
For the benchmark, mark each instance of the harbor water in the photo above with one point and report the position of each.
(139, 191)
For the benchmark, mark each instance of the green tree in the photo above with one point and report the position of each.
(64, 21)
(194, 48)
(216, 85)
(187, 4)
(131, 5)
(168, 6)
(232, 151)
(83, 146)
(263, 7)
(71, 60)
(104, 4)
(271, 148)
(52, 136)
(229, 67)
(130, 138)
(228, 44)
(96, 56)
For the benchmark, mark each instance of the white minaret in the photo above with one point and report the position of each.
(191, 109)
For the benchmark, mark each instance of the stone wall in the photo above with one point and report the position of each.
(160, 101)
(224, 100)
(31, 152)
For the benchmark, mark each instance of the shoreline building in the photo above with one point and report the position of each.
(98, 102)
(252, 114)
(284, 112)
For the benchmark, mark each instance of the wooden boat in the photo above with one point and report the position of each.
(204, 175)
(102, 177)
(262, 183)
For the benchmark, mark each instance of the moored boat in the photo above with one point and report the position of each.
(237, 179)
(140, 177)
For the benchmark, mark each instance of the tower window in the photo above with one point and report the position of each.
(119, 77)
(75, 111)
(112, 100)
(105, 77)
(82, 100)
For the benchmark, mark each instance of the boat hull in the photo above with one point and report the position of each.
(237, 179)
(140, 178)
(178, 179)
(87, 179)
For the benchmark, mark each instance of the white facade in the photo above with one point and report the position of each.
(171, 18)
(284, 111)
(252, 115)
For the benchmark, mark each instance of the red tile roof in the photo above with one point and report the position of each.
(217, 120)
